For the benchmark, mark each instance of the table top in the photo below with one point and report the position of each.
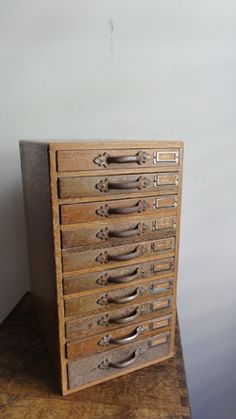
(28, 388)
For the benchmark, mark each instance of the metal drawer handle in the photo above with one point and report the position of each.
(105, 234)
(105, 185)
(106, 340)
(104, 159)
(140, 250)
(125, 363)
(108, 279)
(139, 272)
(105, 257)
(127, 298)
(107, 299)
(106, 210)
(126, 319)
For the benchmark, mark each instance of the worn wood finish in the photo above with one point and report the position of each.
(115, 144)
(99, 343)
(117, 255)
(115, 233)
(114, 211)
(117, 278)
(101, 302)
(71, 160)
(98, 211)
(85, 370)
(38, 213)
(73, 187)
(28, 388)
(110, 320)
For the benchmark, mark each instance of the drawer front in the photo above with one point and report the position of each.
(73, 260)
(86, 370)
(72, 160)
(115, 233)
(77, 187)
(102, 302)
(114, 278)
(100, 323)
(118, 209)
(119, 337)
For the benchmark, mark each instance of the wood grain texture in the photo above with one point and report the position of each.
(105, 257)
(98, 211)
(103, 342)
(85, 243)
(110, 145)
(72, 160)
(58, 273)
(93, 281)
(103, 322)
(100, 302)
(97, 186)
(28, 388)
(83, 371)
(115, 233)
(38, 212)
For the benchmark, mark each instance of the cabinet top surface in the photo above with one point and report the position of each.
(108, 144)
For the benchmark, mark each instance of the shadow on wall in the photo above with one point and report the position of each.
(13, 247)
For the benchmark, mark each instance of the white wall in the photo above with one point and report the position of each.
(142, 69)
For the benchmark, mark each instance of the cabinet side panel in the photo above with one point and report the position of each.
(38, 212)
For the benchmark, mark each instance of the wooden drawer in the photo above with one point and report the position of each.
(115, 233)
(73, 160)
(101, 302)
(86, 370)
(118, 209)
(119, 337)
(77, 187)
(115, 278)
(100, 323)
(74, 260)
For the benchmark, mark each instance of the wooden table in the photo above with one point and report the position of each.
(28, 389)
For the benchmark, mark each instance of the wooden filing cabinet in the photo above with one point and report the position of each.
(103, 223)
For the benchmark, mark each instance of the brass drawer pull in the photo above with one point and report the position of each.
(105, 257)
(108, 279)
(122, 364)
(107, 299)
(127, 298)
(106, 340)
(126, 319)
(137, 252)
(140, 250)
(105, 234)
(122, 279)
(103, 160)
(106, 210)
(105, 185)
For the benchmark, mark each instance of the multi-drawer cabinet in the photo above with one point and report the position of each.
(103, 223)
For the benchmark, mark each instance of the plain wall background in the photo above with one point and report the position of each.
(136, 70)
